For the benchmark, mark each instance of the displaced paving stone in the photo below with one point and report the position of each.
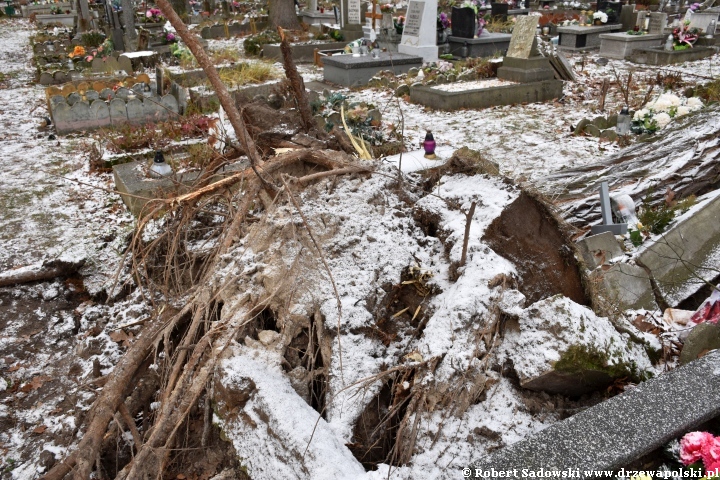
(580, 128)
(558, 346)
(610, 135)
(402, 90)
(592, 130)
(701, 339)
(599, 249)
(627, 426)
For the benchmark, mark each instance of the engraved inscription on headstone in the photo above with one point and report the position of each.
(523, 37)
(413, 21)
(658, 21)
(354, 12)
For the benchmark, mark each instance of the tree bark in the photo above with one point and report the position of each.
(282, 14)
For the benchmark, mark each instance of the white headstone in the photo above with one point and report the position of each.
(420, 33)
(312, 6)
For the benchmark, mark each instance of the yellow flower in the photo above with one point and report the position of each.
(639, 227)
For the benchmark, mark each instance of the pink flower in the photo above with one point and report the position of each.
(693, 444)
(711, 454)
(89, 58)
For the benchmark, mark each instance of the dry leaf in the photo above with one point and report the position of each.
(40, 429)
(120, 336)
(35, 383)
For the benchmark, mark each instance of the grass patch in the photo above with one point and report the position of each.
(247, 73)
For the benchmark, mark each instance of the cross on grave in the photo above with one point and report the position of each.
(607, 225)
(373, 15)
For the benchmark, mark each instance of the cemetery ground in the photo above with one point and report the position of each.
(370, 327)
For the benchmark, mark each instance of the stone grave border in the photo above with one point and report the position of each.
(89, 106)
(532, 92)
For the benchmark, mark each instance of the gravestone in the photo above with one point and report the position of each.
(170, 104)
(60, 77)
(523, 36)
(499, 10)
(640, 22)
(92, 95)
(463, 22)
(628, 17)
(522, 64)
(419, 36)
(118, 112)
(703, 20)
(658, 22)
(84, 18)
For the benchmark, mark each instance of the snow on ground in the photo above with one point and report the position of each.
(52, 206)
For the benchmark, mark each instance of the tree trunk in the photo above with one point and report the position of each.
(282, 14)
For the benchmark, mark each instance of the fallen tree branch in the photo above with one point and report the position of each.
(36, 273)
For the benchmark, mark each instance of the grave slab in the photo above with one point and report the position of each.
(692, 242)
(658, 56)
(486, 45)
(622, 429)
(487, 97)
(130, 178)
(620, 45)
(354, 71)
(577, 38)
(301, 53)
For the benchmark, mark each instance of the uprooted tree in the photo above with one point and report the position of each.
(190, 337)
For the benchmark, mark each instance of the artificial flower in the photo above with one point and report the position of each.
(694, 103)
(692, 445)
(662, 119)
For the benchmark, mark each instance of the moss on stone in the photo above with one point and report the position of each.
(581, 358)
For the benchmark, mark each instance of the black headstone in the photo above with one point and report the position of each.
(463, 22)
(499, 10)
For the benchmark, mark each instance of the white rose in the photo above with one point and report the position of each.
(682, 110)
(670, 99)
(662, 119)
(640, 115)
(694, 103)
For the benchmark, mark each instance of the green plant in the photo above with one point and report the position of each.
(636, 237)
(92, 39)
(655, 219)
(336, 35)
(253, 44)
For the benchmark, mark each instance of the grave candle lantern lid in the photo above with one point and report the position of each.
(159, 167)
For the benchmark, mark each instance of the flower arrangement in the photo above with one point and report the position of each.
(602, 16)
(443, 21)
(658, 114)
(387, 8)
(399, 24)
(78, 51)
(684, 36)
(694, 6)
(480, 26)
(697, 447)
(470, 4)
(154, 15)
